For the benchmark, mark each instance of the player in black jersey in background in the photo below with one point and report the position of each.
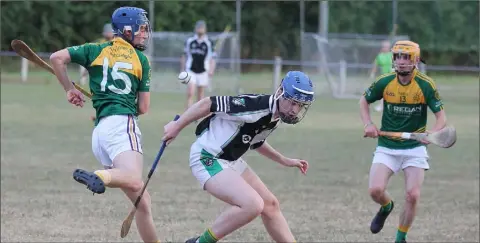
(199, 62)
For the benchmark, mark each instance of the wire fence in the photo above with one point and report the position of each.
(17, 69)
(284, 62)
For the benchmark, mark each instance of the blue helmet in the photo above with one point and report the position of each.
(294, 97)
(131, 19)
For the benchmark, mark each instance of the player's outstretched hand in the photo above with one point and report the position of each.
(299, 163)
(170, 132)
(370, 131)
(75, 97)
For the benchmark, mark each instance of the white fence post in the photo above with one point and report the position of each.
(423, 67)
(82, 80)
(343, 76)
(277, 72)
(24, 69)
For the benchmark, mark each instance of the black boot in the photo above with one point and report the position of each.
(90, 179)
(192, 240)
(379, 220)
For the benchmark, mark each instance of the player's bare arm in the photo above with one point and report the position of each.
(372, 94)
(370, 130)
(193, 113)
(440, 121)
(143, 102)
(212, 67)
(183, 57)
(182, 62)
(268, 151)
(59, 61)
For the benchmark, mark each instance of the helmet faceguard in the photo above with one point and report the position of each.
(405, 58)
(131, 23)
(294, 97)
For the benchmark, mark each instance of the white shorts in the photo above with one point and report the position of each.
(204, 165)
(397, 159)
(114, 135)
(199, 79)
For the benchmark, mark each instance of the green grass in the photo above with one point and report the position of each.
(44, 139)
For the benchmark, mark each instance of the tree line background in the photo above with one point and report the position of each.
(447, 31)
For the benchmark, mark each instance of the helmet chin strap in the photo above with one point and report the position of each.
(405, 73)
(140, 47)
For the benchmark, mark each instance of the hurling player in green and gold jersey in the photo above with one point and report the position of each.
(407, 95)
(120, 83)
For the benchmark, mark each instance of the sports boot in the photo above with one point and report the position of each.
(379, 220)
(192, 240)
(90, 179)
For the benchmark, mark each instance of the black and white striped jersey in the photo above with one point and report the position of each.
(238, 123)
(199, 51)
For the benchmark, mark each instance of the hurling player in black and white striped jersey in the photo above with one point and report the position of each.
(234, 125)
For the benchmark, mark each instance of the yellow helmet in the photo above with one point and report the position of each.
(409, 49)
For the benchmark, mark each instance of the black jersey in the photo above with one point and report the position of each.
(238, 123)
(199, 51)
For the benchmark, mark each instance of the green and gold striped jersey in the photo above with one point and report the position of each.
(405, 106)
(117, 73)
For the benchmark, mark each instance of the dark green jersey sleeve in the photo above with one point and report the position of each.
(81, 54)
(375, 91)
(433, 99)
(146, 76)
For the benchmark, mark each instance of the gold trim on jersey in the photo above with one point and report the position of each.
(427, 79)
(422, 129)
(384, 76)
(397, 93)
(430, 81)
(377, 80)
(120, 51)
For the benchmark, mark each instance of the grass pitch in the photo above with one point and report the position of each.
(44, 139)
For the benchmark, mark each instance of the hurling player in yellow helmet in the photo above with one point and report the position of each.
(407, 95)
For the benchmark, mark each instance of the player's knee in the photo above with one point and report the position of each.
(412, 196)
(376, 191)
(145, 203)
(254, 207)
(271, 205)
(135, 185)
